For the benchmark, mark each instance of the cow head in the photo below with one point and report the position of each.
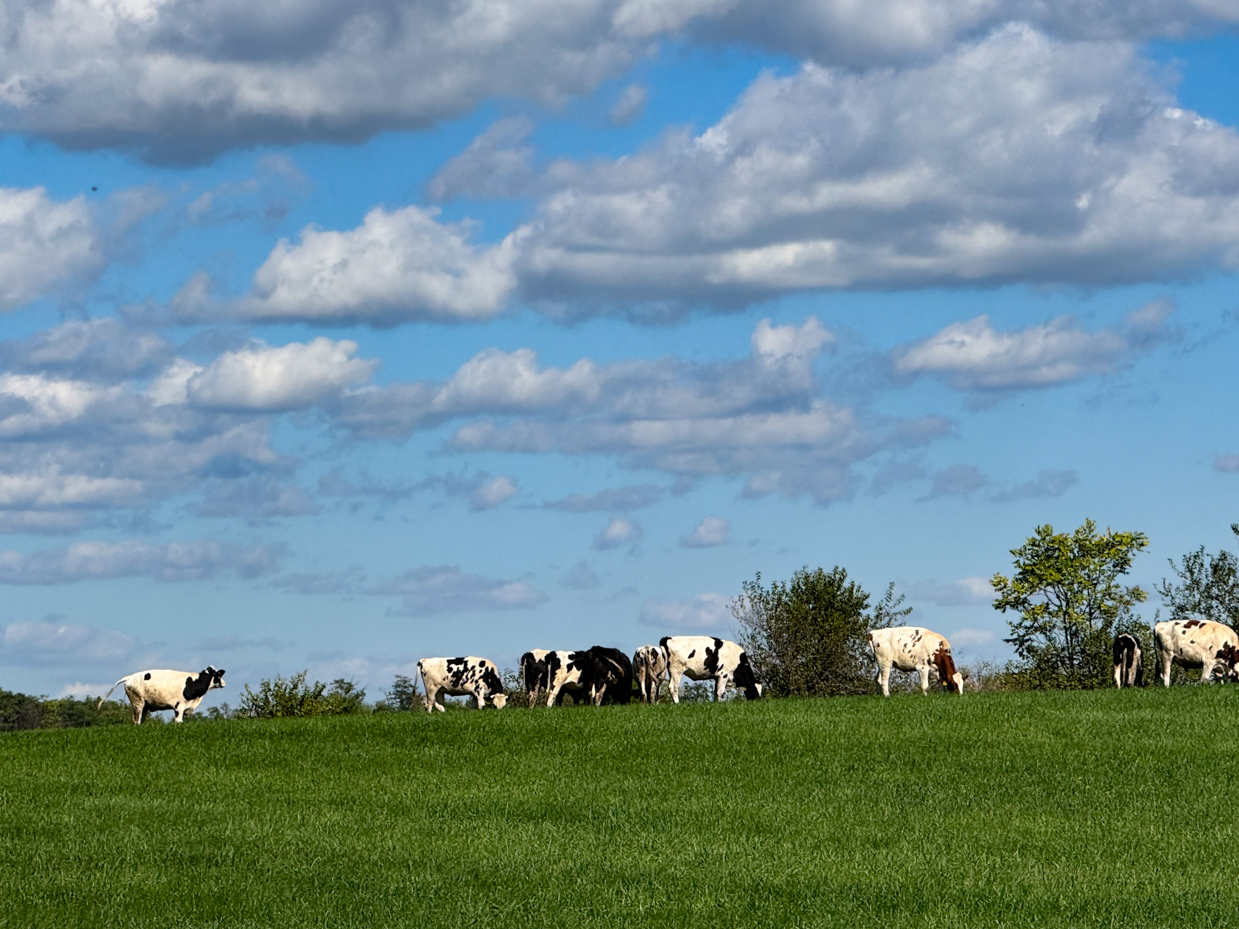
(950, 679)
(1229, 656)
(498, 701)
(215, 677)
(747, 678)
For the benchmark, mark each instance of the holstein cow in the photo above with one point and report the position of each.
(706, 658)
(1128, 665)
(534, 677)
(178, 691)
(912, 648)
(1197, 643)
(461, 677)
(599, 673)
(649, 666)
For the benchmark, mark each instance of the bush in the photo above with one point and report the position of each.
(22, 711)
(293, 697)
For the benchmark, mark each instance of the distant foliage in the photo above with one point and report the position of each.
(22, 711)
(1070, 604)
(808, 636)
(293, 697)
(401, 696)
(1207, 586)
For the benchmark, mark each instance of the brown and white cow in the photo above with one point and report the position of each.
(1128, 662)
(707, 658)
(914, 648)
(649, 666)
(461, 677)
(178, 691)
(1197, 643)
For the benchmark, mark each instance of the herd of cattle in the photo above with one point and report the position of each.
(606, 675)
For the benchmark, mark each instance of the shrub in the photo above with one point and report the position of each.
(293, 697)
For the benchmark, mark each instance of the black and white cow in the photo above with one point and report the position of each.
(534, 676)
(649, 667)
(707, 658)
(1128, 664)
(178, 691)
(461, 677)
(1197, 643)
(598, 674)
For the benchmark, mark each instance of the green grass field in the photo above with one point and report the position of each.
(1084, 809)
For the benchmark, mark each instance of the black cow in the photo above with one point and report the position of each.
(1128, 665)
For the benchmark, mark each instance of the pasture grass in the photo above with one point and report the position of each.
(1005, 809)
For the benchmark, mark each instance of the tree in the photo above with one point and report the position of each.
(808, 636)
(1208, 586)
(1070, 603)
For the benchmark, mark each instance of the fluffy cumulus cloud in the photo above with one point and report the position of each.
(292, 376)
(974, 356)
(53, 640)
(398, 265)
(493, 492)
(619, 531)
(183, 80)
(761, 417)
(446, 589)
(1015, 158)
(44, 244)
(170, 561)
(710, 532)
(702, 612)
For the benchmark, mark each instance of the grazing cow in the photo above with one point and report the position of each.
(1128, 665)
(461, 677)
(706, 658)
(912, 648)
(534, 677)
(649, 665)
(608, 675)
(178, 691)
(1197, 643)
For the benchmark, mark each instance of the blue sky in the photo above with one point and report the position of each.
(339, 335)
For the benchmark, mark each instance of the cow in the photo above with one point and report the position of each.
(534, 676)
(1197, 643)
(1128, 664)
(707, 658)
(461, 677)
(178, 691)
(913, 648)
(649, 666)
(600, 674)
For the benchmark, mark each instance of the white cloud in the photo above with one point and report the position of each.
(1227, 464)
(619, 531)
(703, 612)
(711, 531)
(494, 492)
(970, 591)
(445, 589)
(978, 639)
(630, 105)
(56, 641)
(973, 355)
(1015, 158)
(44, 244)
(497, 164)
(397, 266)
(53, 489)
(1048, 484)
(102, 349)
(958, 480)
(171, 561)
(287, 377)
(619, 499)
(177, 80)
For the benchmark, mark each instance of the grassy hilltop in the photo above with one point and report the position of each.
(1007, 809)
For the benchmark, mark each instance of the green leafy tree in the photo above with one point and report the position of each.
(1207, 587)
(1070, 603)
(807, 636)
(293, 697)
(401, 696)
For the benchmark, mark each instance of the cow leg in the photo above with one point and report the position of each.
(924, 669)
(432, 700)
(139, 710)
(1166, 661)
(1118, 676)
(720, 687)
(178, 713)
(884, 679)
(674, 674)
(1206, 671)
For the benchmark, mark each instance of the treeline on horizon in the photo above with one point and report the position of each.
(808, 636)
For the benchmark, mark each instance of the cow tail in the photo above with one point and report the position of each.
(99, 706)
(417, 676)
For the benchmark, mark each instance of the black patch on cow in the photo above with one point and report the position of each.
(196, 687)
(607, 668)
(534, 673)
(490, 679)
(146, 676)
(692, 653)
(746, 677)
(712, 661)
(1193, 623)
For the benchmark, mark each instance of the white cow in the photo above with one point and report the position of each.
(649, 666)
(179, 691)
(1197, 643)
(461, 677)
(706, 658)
(913, 648)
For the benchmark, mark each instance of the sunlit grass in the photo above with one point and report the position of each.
(1079, 809)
